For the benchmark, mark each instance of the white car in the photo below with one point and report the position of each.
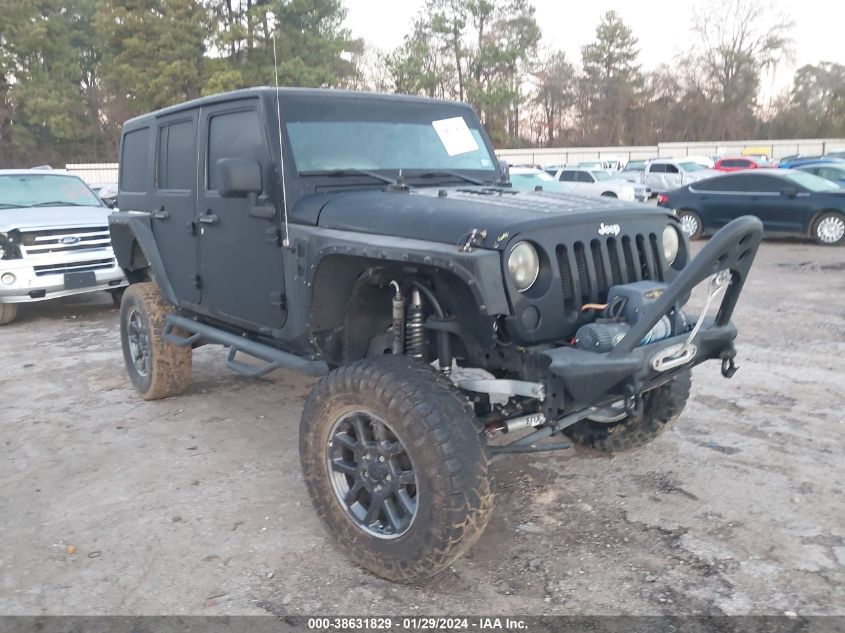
(666, 174)
(596, 182)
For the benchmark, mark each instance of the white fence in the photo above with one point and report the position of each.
(572, 155)
(94, 172)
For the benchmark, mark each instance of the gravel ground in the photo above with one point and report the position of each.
(196, 505)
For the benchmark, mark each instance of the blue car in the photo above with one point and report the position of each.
(829, 169)
(806, 160)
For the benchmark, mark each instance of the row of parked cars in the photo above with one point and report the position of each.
(800, 195)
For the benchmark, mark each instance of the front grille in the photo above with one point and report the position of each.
(588, 270)
(74, 267)
(64, 240)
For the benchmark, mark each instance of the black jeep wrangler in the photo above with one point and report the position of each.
(374, 241)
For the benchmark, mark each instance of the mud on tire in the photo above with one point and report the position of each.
(156, 368)
(434, 424)
(661, 408)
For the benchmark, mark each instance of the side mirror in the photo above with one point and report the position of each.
(506, 171)
(789, 192)
(238, 177)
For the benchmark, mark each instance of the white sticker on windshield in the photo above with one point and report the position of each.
(455, 135)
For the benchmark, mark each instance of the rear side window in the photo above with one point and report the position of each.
(176, 158)
(670, 169)
(569, 176)
(133, 160)
(657, 168)
(234, 135)
(733, 162)
(764, 184)
(585, 177)
(722, 184)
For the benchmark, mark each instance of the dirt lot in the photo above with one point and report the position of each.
(196, 504)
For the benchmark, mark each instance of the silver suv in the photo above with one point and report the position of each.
(54, 240)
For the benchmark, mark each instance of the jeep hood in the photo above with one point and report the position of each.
(34, 218)
(449, 215)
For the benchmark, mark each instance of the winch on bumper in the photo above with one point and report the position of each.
(578, 381)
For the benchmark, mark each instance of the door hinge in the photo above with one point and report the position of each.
(278, 299)
(197, 282)
(274, 235)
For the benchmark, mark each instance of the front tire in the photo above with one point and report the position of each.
(157, 369)
(8, 313)
(829, 229)
(691, 224)
(615, 434)
(395, 467)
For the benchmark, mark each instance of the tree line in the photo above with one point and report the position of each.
(72, 71)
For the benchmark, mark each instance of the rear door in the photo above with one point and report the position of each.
(174, 202)
(778, 212)
(240, 251)
(721, 199)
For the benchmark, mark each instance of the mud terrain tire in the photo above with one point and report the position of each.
(435, 426)
(661, 408)
(156, 368)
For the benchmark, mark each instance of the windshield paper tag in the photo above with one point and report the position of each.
(455, 135)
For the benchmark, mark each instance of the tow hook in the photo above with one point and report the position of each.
(728, 366)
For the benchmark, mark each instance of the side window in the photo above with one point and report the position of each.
(657, 168)
(568, 176)
(176, 158)
(733, 162)
(723, 184)
(670, 169)
(233, 135)
(763, 184)
(585, 177)
(133, 160)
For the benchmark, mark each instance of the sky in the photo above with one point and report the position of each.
(662, 27)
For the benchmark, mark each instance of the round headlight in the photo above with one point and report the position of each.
(523, 265)
(671, 244)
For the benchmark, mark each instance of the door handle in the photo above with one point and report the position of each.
(161, 214)
(209, 218)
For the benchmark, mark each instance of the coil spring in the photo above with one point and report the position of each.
(415, 331)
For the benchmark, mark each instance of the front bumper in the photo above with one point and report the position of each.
(23, 285)
(577, 378)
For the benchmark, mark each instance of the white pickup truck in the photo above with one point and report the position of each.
(54, 240)
(666, 174)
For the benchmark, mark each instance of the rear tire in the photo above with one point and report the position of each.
(609, 194)
(661, 408)
(829, 229)
(157, 369)
(8, 313)
(395, 467)
(691, 224)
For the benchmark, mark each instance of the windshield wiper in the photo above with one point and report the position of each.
(453, 174)
(56, 203)
(339, 173)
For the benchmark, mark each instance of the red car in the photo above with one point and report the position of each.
(735, 164)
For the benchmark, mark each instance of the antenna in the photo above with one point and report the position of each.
(286, 241)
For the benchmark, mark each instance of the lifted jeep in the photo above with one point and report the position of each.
(374, 241)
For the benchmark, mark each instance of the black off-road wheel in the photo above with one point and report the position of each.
(8, 313)
(156, 368)
(691, 224)
(395, 466)
(614, 431)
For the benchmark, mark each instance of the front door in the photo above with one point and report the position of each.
(174, 207)
(240, 253)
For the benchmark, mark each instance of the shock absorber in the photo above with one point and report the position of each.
(415, 326)
(398, 319)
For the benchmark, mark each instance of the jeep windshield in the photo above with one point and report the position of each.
(44, 190)
(348, 137)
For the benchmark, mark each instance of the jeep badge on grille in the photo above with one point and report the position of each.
(609, 229)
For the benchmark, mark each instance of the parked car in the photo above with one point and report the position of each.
(665, 174)
(596, 182)
(761, 152)
(737, 164)
(107, 192)
(54, 240)
(394, 250)
(801, 160)
(705, 161)
(836, 153)
(830, 170)
(530, 179)
(789, 202)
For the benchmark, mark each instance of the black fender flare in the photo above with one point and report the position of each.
(131, 230)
